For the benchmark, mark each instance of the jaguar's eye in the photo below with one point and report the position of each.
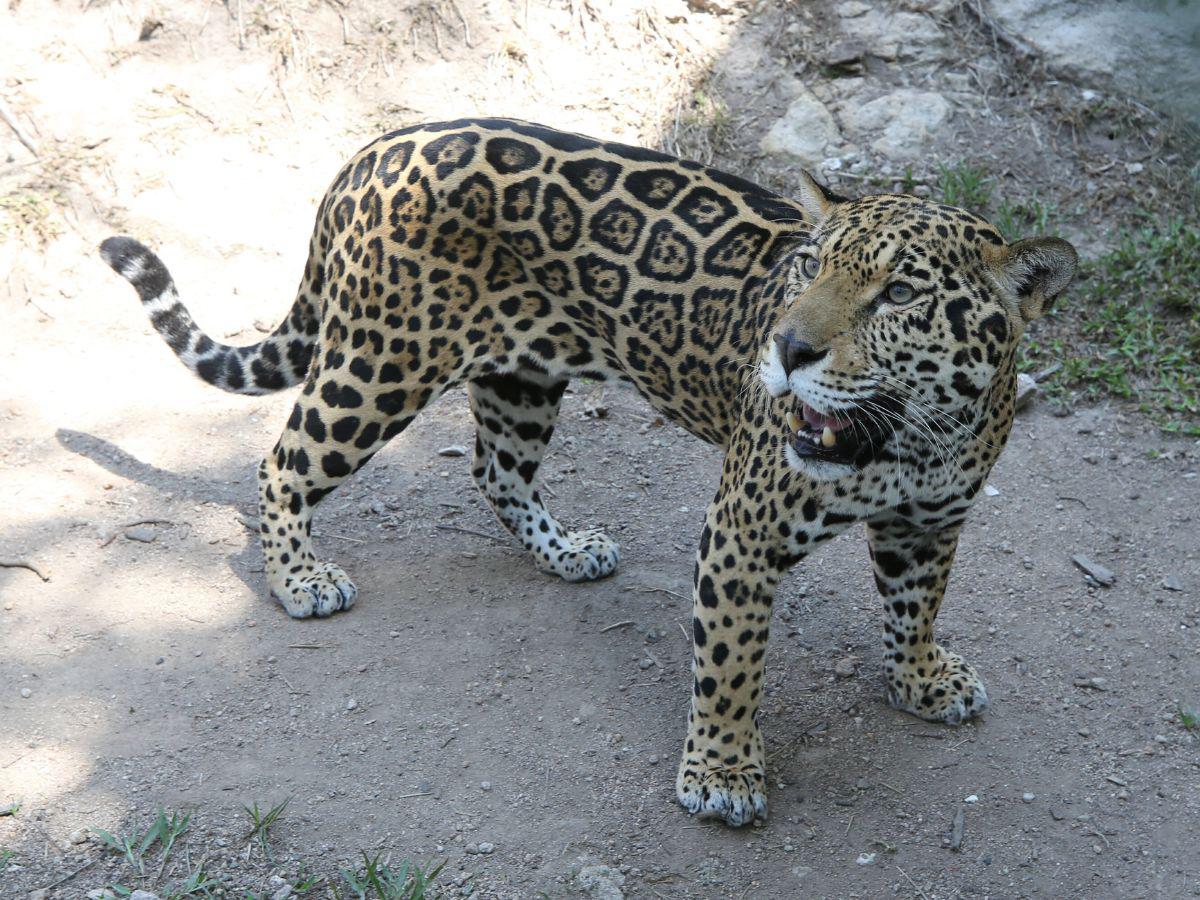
(810, 266)
(899, 292)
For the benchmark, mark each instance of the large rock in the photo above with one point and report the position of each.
(1148, 48)
(806, 131)
(896, 35)
(900, 125)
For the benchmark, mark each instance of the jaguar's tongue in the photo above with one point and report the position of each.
(819, 421)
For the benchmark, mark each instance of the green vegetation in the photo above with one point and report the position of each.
(261, 822)
(1189, 719)
(973, 189)
(147, 855)
(966, 186)
(1140, 324)
(406, 882)
(163, 831)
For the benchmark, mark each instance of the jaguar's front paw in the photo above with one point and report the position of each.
(322, 592)
(583, 556)
(735, 792)
(944, 689)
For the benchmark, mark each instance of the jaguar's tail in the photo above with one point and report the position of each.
(277, 362)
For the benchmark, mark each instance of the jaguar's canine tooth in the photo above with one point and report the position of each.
(827, 438)
(794, 422)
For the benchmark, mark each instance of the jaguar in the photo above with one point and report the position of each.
(853, 358)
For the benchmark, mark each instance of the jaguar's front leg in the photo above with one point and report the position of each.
(722, 772)
(911, 571)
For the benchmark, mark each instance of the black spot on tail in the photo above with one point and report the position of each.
(134, 262)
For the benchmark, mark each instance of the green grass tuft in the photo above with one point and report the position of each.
(1142, 325)
(966, 186)
(261, 822)
(407, 881)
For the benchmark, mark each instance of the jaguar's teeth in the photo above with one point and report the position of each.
(827, 438)
(794, 422)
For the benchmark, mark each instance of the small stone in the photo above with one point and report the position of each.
(1171, 583)
(852, 9)
(101, 894)
(143, 895)
(26, 693)
(485, 785)
(1134, 168)
(351, 704)
(1027, 390)
(159, 661)
(601, 882)
(78, 836)
(472, 849)
(1028, 797)
(453, 450)
(714, 7)
(866, 859)
(486, 847)
(1056, 814)
(974, 798)
(991, 490)
(653, 760)
(1101, 575)
(645, 664)
(1123, 794)
(846, 667)
(143, 534)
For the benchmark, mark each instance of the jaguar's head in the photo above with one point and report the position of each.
(901, 317)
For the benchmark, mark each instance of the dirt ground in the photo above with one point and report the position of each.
(470, 709)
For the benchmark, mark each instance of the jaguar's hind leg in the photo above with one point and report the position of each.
(324, 442)
(514, 417)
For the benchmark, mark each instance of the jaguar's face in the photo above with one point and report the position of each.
(899, 315)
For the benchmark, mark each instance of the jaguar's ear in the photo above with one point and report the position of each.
(1036, 270)
(818, 201)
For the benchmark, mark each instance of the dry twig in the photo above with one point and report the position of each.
(23, 564)
(22, 135)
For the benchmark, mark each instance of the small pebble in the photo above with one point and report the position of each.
(351, 704)
(845, 667)
(645, 664)
(653, 759)
(159, 661)
(26, 693)
(1028, 797)
(78, 836)
(453, 450)
(974, 798)
(485, 785)
(866, 859)
(486, 847)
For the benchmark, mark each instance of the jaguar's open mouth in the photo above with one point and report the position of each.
(850, 437)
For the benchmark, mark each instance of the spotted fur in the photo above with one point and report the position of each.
(511, 258)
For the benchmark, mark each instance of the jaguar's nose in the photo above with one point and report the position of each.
(794, 353)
